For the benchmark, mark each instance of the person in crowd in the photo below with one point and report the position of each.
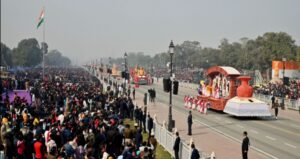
(190, 122)
(133, 93)
(20, 147)
(276, 108)
(272, 100)
(195, 153)
(145, 99)
(72, 116)
(176, 146)
(153, 143)
(39, 147)
(245, 145)
(129, 91)
(144, 116)
(150, 124)
(136, 114)
(139, 138)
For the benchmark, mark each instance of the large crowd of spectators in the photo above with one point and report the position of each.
(183, 75)
(71, 116)
(278, 89)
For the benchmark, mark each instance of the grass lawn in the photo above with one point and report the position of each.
(161, 153)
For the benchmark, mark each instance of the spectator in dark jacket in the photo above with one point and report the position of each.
(139, 138)
(150, 124)
(245, 146)
(195, 152)
(176, 146)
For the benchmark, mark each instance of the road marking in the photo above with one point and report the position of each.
(218, 118)
(230, 137)
(278, 128)
(294, 125)
(290, 145)
(228, 122)
(271, 138)
(255, 132)
(240, 126)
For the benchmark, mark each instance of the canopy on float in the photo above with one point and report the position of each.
(225, 70)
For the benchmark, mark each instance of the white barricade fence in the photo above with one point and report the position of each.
(167, 139)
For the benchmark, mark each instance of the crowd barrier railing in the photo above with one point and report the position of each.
(288, 103)
(167, 139)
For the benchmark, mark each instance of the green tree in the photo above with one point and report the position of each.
(6, 58)
(275, 46)
(250, 54)
(298, 55)
(28, 53)
(55, 58)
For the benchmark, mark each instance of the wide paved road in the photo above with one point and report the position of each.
(273, 138)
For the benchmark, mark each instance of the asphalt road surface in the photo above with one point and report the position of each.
(273, 138)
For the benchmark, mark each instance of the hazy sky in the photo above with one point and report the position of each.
(90, 29)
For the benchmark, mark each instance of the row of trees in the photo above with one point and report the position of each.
(250, 54)
(28, 53)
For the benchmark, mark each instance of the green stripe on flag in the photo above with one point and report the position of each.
(40, 23)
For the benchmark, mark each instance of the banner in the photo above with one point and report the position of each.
(290, 69)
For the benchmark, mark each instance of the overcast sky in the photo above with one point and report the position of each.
(90, 29)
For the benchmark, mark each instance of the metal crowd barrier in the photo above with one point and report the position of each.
(289, 103)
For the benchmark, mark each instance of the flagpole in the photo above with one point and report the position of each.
(43, 50)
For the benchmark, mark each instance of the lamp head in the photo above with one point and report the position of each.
(171, 48)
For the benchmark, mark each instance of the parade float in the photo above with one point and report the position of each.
(115, 72)
(220, 93)
(139, 76)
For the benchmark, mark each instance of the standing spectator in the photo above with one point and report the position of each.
(136, 114)
(39, 148)
(140, 118)
(176, 146)
(145, 99)
(129, 91)
(139, 138)
(144, 120)
(245, 145)
(190, 122)
(127, 133)
(131, 109)
(51, 145)
(153, 143)
(273, 100)
(133, 93)
(150, 124)
(195, 152)
(20, 146)
(276, 106)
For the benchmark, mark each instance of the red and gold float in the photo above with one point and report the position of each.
(221, 93)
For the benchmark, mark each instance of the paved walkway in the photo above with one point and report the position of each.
(204, 138)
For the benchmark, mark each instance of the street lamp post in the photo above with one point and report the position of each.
(171, 123)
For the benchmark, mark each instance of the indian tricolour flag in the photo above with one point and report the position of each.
(41, 18)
